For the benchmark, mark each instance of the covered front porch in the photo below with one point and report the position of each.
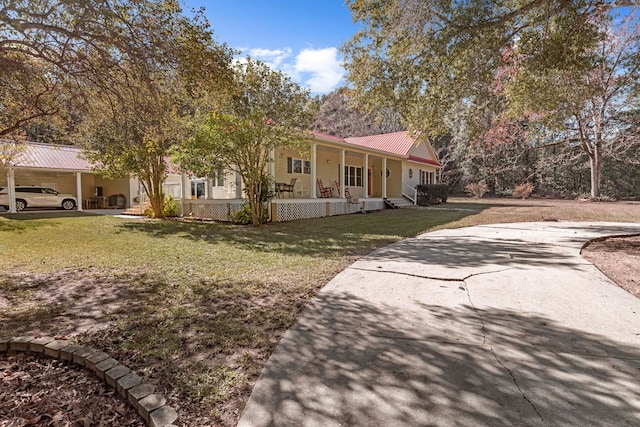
(336, 170)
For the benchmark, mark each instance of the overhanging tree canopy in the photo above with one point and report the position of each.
(430, 59)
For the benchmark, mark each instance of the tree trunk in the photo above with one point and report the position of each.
(157, 205)
(595, 162)
(153, 186)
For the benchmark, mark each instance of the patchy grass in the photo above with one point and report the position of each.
(197, 307)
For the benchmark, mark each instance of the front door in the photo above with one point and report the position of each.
(368, 181)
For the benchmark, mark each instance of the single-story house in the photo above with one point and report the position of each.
(332, 176)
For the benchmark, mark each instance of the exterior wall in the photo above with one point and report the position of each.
(228, 189)
(424, 150)
(376, 177)
(410, 174)
(302, 187)
(328, 168)
(110, 188)
(63, 182)
(173, 186)
(394, 181)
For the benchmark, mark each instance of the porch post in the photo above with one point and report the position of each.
(313, 158)
(208, 188)
(183, 178)
(272, 175)
(238, 185)
(384, 177)
(341, 172)
(11, 183)
(365, 176)
(79, 190)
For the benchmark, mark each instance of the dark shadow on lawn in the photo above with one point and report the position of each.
(347, 234)
(529, 371)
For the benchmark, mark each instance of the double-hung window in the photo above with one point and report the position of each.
(218, 178)
(353, 176)
(298, 166)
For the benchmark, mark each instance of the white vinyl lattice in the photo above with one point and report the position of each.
(214, 210)
(290, 211)
(293, 211)
(373, 205)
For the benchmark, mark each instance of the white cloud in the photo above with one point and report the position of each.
(318, 69)
(272, 57)
(321, 67)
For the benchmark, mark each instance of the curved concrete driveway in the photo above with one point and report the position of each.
(482, 326)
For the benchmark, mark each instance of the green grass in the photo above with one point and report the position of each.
(198, 307)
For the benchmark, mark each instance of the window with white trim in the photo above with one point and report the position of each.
(353, 176)
(218, 178)
(298, 166)
(427, 177)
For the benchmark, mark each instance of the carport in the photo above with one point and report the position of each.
(64, 169)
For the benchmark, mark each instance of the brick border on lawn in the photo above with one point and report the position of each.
(152, 407)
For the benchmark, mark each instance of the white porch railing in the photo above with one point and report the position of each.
(410, 193)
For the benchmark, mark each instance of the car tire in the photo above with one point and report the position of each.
(68, 204)
(20, 204)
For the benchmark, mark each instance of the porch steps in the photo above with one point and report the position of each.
(136, 210)
(398, 202)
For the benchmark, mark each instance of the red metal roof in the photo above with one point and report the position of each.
(396, 143)
(423, 160)
(327, 136)
(47, 156)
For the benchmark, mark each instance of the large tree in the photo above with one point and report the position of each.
(53, 51)
(427, 59)
(264, 110)
(130, 127)
(592, 105)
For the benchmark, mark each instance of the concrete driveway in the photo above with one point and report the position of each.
(494, 325)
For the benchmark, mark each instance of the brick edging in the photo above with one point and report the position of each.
(151, 406)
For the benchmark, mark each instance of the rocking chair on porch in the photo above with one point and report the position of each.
(324, 191)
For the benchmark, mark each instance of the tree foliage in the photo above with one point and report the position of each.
(590, 106)
(337, 117)
(130, 127)
(492, 63)
(54, 53)
(265, 110)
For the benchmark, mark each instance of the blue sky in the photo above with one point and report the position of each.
(299, 37)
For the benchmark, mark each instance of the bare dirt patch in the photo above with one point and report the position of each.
(619, 259)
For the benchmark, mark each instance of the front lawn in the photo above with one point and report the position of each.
(196, 308)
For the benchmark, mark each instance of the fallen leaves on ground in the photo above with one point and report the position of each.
(45, 392)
